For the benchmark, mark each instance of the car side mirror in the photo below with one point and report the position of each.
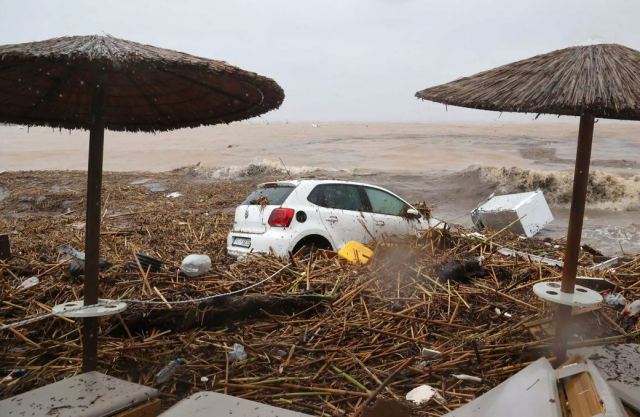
(413, 213)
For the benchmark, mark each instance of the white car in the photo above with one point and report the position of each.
(285, 216)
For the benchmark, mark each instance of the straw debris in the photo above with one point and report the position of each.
(322, 336)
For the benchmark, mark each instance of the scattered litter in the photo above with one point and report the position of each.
(429, 353)
(632, 309)
(523, 213)
(614, 299)
(71, 251)
(156, 187)
(204, 379)
(194, 265)
(76, 268)
(13, 374)
(606, 264)
(460, 270)
(422, 394)
(280, 353)
(465, 377)
(140, 181)
(174, 194)
(76, 265)
(530, 257)
(238, 353)
(165, 373)
(146, 262)
(501, 313)
(355, 252)
(28, 283)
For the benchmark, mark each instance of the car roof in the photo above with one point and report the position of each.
(313, 182)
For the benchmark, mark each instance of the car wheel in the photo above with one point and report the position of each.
(310, 244)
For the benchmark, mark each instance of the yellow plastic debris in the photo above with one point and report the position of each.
(355, 252)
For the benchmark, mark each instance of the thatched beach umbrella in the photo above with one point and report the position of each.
(101, 82)
(587, 81)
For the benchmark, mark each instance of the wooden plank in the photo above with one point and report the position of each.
(582, 396)
(148, 409)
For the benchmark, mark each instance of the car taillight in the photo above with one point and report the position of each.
(281, 217)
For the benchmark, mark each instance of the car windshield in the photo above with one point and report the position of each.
(269, 195)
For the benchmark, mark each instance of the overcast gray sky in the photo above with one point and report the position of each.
(346, 60)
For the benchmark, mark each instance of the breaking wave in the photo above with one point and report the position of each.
(265, 168)
(605, 190)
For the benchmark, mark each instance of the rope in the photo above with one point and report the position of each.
(144, 302)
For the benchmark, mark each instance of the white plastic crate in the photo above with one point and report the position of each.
(529, 213)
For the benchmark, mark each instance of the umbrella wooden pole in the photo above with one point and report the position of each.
(92, 234)
(576, 215)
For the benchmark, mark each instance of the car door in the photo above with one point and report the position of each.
(343, 212)
(388, 214)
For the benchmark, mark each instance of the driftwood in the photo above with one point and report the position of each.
(216, 312)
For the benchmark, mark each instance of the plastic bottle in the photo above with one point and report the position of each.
(194, 265)
(632, 309)
(28, 283)
(165, 373)
(238, 353)
(69, 250)
(615, 299)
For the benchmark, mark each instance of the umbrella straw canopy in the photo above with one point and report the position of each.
(601, 80)
(51, 83)
(101, 82)
(586, 81)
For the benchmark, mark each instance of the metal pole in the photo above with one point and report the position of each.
(92, 234)
(576, 215)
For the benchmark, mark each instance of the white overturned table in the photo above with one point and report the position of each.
(86, 395)
(213, 404)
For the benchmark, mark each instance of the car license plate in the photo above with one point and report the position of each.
(244, 242)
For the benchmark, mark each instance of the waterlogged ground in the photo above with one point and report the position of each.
(58, 193)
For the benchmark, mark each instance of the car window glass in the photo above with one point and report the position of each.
(268, 196)
(338, 196)
(384, 203)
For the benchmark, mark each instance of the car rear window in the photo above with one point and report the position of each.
(270, 195)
